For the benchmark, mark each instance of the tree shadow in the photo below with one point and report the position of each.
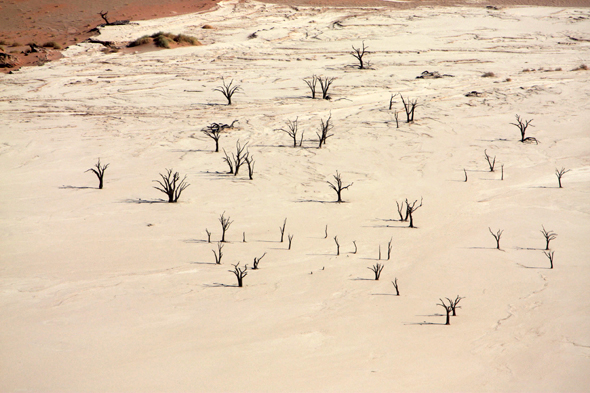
(362, 279)
(76, 188)
(384, 294)
(315, 201)
(484, 248)
(191, 151)
(195, 241)
(529, 248)
(219, 285)
(425, 323)
(140, 201)
(533, 267)
(203, 263)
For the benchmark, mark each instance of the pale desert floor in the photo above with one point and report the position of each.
(113, 290)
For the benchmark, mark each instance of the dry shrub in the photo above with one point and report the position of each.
(15, 44)
(52, 44)
(581, 67)
(488, 75)
(558, 69)
(207, 27)
(146, 39)
(186, 38)
(508, 80)
(2, 42)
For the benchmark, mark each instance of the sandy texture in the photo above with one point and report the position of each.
(114, 290)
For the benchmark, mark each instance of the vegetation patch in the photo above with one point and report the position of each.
(165, 40)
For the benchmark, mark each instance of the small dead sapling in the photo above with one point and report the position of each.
(257, 261)
(394, 282)
(389, 249)
(497, 236)
(282, 229)
(559, 173)
(410, 209)
(250, 163)
(208, 235)
(377, 269)
(448, 308)
(549, 235)
(522, 126)
(225, 224)
(98, 170)
(549, 255)
(227, 90)
(491, 161)
(359, 53)
(325, 84)
(454, 303)
(355, 247)
(338, 186)
(410, 108)
(292, 130)
(219, 253)
(290, 239)
(325, 128)
(337, 245)
(400, 209)
(240, 273)
(171, 185)
(312, 83)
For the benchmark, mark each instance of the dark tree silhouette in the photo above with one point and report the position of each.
(448, 309)
(359, 53)
(522, 126)
(355, 247)
(497, 236)
(391, 103)
(409, 107)
(292, 130)
(377, 269)
(502, 177)
(454, 303)
(240, 273)
(240, 157)
(389, 249)
(325, 128)
(208, 235)
(326, 232)
(549, 254)
(171, 185)
(312, 83)
(227, 90)
(400, 209)
(338, 186)
(559, 173)
(225, 224)
(99, 172)
(213, 131)
(337, 245)
(325, 84)
(466, 173)
(394, 282)
(250, 163)
(218, 254)
(229, 162)
(491, 161)
(549, 235)
(410, 209)
(257, 261)
(282, 229)
(290, 238)
(103, 15)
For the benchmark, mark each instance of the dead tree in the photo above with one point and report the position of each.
(208, 235)
(497, 236)
(243, 237)
(502, 177)
(171, 185)
(213, 131)
(282, 229)
(559, 173)
(379, 251)
(491, 161)
(99, 172)
(391, 103)
(355, 247)
(448, 309)
(325, 84)
(229, 162)
(257, 261)
(218, 254)
(325, 128)
(394, 282)
(238, 159)
(466, 173)
(292, 131)
(454, 303)
(225, 224)
(377, 269)
(410, 209)
(409, 107)
(240, 273)
(338, 186)
(549, 235)
(359, 53)
(400, 209)
(337, 245)
(522, 126)
(103, 15)
(290, 238)
(250, 163)
(389, 249)
(227, 90)
(312, 84)
(550, 255)
(326, 232)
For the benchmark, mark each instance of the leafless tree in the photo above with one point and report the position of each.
(491, 161)
(312, 83)
(213, 131)
(379, 251)
(103, 15)
(394, 282)
(292, 130)
(559, 173)
(355, 247)
(326, 232)
(229, 162)
(325, 84)
(282, 229)
(325, 128)
(497, 236)
(391, 102)
(338, 186)
(359, 53)
(549, 235)
(400, 209)
(225, 224)
(218, 254)
(389, 249)
(240, 157)
(466, 174)
(257, 261)
(410, 209)
(243, 237)
(454, 303)
(208, 235)
(290, 238)
(502, 177)
(99, 172)
(409, 107)
(240, 273)
(227, 89)
(522, 126)
(448, 308)
(337, 245)
(171, 185)
(377, 269)
(250, 163)
(549, 254)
